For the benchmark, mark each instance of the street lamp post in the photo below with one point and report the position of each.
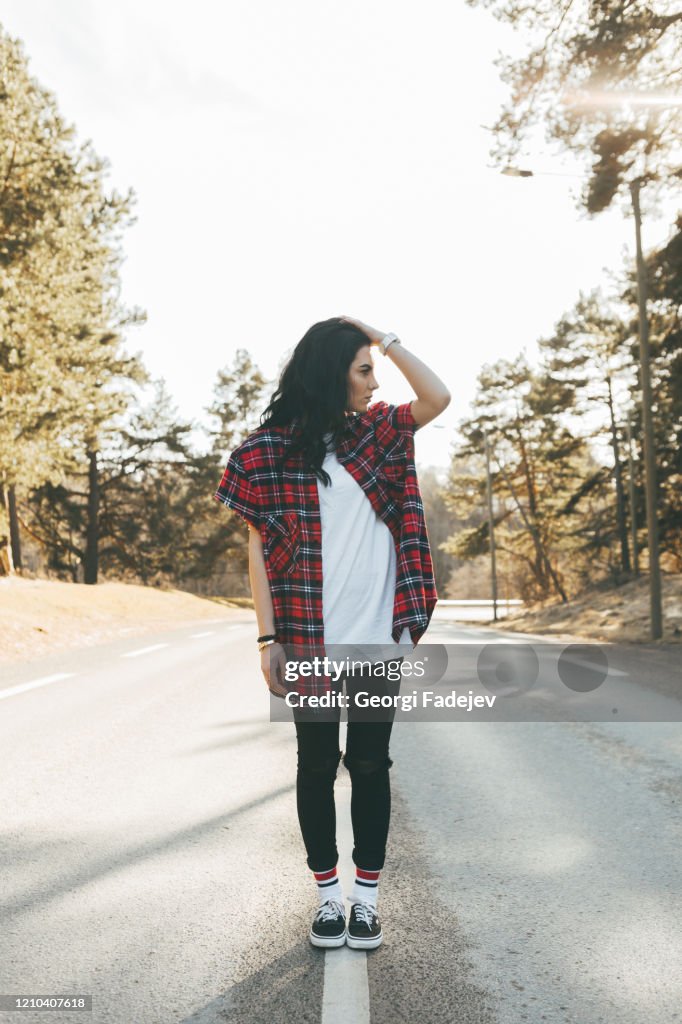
(655, 609)
(647, 428)
(631, 488)
(491, 526)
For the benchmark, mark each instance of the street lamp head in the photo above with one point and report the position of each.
(516, 172)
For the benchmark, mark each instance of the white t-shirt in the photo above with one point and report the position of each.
(358, 568)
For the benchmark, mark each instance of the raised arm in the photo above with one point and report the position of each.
(432, 394)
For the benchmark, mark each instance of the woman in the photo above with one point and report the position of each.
(338, 555)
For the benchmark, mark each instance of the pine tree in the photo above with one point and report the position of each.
(536, 463)
(591, 355)
(596, 78)
(62, 365)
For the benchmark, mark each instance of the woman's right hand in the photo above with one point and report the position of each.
(273, 666)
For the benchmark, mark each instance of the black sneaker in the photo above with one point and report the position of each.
(329, 927)
(364, 927)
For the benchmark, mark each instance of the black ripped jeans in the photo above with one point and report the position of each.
(367, 760)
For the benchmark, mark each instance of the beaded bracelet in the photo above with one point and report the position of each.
(267, 636)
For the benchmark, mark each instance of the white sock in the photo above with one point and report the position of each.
(329, 886)
(365, 887)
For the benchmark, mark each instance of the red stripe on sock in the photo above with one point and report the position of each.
(371, 876)
(323, 876)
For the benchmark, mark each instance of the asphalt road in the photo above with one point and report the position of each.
(151, 855)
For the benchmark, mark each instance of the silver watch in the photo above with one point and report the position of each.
(388, 340)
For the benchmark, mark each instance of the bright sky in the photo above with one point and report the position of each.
(297, 161)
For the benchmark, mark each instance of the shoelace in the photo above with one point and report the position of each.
(329, 910)
(364, 913)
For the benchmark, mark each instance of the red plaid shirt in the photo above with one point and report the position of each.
(281, 501)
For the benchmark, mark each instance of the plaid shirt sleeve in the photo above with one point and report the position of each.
(401, 419)
(238, 492)
(394, 422)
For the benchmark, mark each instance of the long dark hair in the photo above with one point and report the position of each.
(312, 394)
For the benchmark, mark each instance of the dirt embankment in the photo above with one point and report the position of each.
(38, 617)
(614, 614)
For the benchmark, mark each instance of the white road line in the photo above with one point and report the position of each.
(43, 681)
(345, 995)
(196, 636)
(143, 650)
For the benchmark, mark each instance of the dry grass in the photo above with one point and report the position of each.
(614, 614)
(38, 617)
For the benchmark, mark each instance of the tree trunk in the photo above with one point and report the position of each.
(14, 537)
(8, 549)
(541, 560)
(92, 533)
(541, 554)
(620, 494)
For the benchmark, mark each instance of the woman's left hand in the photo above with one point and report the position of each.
(372, 333)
